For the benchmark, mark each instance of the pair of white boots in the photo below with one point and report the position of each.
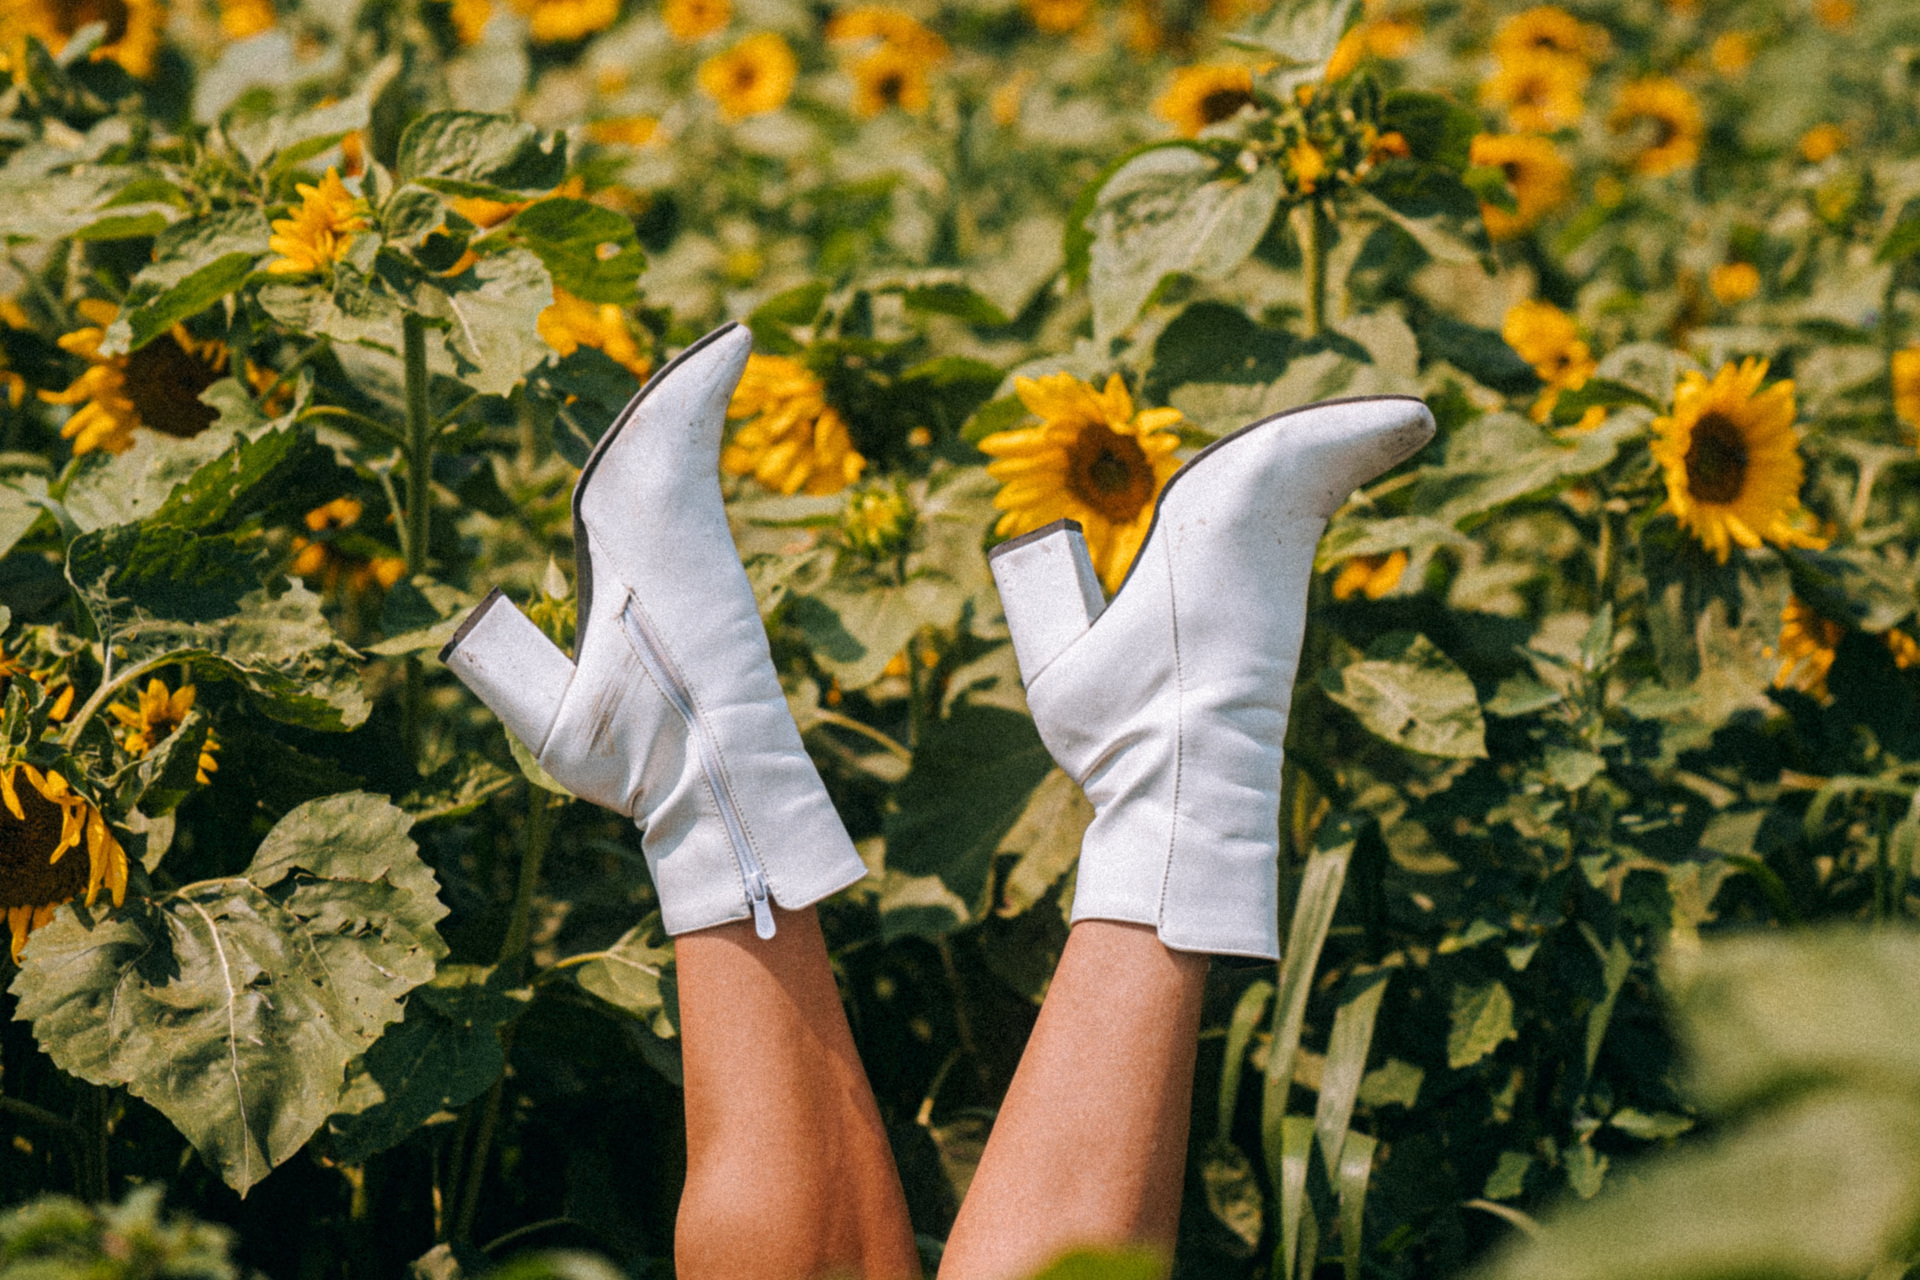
(1168, 705)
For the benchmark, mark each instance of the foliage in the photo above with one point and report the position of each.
(310, 311)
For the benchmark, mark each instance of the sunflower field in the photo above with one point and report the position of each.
(1601, 802)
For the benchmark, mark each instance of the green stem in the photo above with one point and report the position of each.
(866, 731)
(419, 450)
(91, 707)
(512, 947)
(92, 1124)
(1309, 228)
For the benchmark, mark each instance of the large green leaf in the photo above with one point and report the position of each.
(234, 1005)
(855, 629)
(444, 1055)
(635, 975)
(588, 250)
(196, 484)
(492, 317)
(475, 154)
(195, 264)
(1171, 209)
(1408, 692)
(166, 594)
(970, 780)
(1301, 35)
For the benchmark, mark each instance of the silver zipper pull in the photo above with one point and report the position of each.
(762, 909)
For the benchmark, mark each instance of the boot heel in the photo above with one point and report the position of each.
(512, 667)
(1049, 591)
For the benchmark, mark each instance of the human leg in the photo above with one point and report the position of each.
(1090, 1145)
(789, 1173)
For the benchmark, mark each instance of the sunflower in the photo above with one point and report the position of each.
(1822, 142)
(752, 78)
(886, 78)
(558, 21)
(154, 716)
(1383, 38)
(1058, 17)
(319, 231)
(877, 520)
(1733, 282)
(133, 28)
(1091, 459)
(240, 19)
(1548, 29)
(1808, 645)
(1732, 461)
(1834, 15)
(1539, 92)
(1545, 337)
(157, 386)
(792, 438)
(1731, 53)
(1539, 175)
(1906, 650)
(691, 20)
(573, 322)
(1203, 95)
(41, 822)
(1905, 371)
(890, 27)
(320, 558)
(1371, 576)
(1667, 121)
(624, 131)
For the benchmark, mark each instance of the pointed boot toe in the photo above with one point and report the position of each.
(670, 711)
(1169, 704)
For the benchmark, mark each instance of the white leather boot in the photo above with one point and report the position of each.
(1169, 704)
(670, 711)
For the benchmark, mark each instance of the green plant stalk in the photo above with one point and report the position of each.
(419, 449)
(1309, 228)
(91, 707)
(512, 947)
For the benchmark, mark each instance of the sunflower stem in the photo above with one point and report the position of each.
(120, 680)
(1310, 230)
(419, 448)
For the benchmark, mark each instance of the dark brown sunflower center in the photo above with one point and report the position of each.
(27, 879)
(1716, 460)
(1110, 473)
(1223, 104)
(745, 74)
(892, 87)
(164, 382)
(75, 14)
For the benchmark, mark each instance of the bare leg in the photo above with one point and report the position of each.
(789, 1175)
(1091, 1144)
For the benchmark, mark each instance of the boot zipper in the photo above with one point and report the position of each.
(655, 660)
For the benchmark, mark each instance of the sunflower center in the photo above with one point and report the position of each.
(892, 87)
(164, 382)
(1223, 104)
(27, 879)
(1717, 459)
(75, 14)
(744, 76)
(1110, 473)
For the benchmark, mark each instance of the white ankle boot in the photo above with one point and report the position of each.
(670, 712)
(1169, 705)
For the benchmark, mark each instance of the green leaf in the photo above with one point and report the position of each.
(953, 298)
(1105, 1264)
(970, 780)
(492, 315)
(1572, 768)
(1392, 1084)
(1615, 964)
(588, 250)
(1170, 209)
(167, 774)
(470, 153)
(1437, 129)
(635, 975)
(1521, 696)
(1247, 1012)
(455, 789)
(279, 141)
(1482, 1019)
(21, 499)
(234, 478)
(1509, 1176)
(1901, 242)
(1346, 1061)
(855, 629)
(1045, 839)
(164, 593)
(444, 1055)
(1302, 35)
(195, 264)
(1233, 1195)
(1354, 1172)
(1649, 1127)
(1502, 458)
(235, 1005)
(1411, 694)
